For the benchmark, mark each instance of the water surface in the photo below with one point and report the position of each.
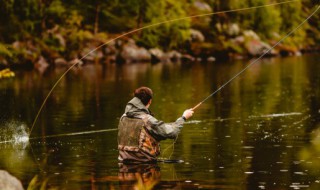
(260, 132)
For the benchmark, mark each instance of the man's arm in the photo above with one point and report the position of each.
(161, 130)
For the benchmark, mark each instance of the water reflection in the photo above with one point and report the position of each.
(259, 132)
(139, 176)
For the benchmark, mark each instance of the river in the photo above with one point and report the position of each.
(259, 132)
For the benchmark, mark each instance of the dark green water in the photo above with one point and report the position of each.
(260, 132)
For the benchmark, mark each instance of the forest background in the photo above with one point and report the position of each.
(34, 33)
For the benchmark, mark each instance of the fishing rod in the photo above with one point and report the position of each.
(255, 61)
(139, 29)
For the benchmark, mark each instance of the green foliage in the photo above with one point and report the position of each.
(265, 21)
(56, 13)
(169, 35)
(76, 22)
(4, 51)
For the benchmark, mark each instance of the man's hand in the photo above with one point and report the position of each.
(187, 113)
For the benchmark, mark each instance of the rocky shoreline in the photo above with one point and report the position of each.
(247, 44)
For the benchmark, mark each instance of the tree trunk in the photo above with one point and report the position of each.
(96, 22)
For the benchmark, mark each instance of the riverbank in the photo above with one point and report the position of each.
(60, 33)
(33, 55)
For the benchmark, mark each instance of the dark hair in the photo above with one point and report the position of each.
(144, 94)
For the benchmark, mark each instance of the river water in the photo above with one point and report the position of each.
(259, 132)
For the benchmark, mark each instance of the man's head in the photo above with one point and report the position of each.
(145, 94)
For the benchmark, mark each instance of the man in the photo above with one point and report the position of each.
(139, 133)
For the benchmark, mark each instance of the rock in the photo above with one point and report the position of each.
(251, 35)
(76, 62)
(238, 40)
(41, 65)
(61, 39)
(9, 182)
(3, 61)
(202, 6)
(196, 36)
(16, 45)
(256, 47)
(110, 49)
(132, 53)
(157, 55)
(233, 29)
(91, 54)
(211, 59)
(286, 50)
(187, 58)
(174, 55)
(60, 62)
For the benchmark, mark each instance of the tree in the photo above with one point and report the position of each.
(169, 35)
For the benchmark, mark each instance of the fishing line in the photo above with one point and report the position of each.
(76, 133)
(256, 60)
(60, 135)
(252, 63)
(139, 29)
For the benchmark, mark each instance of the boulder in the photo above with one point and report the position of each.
(157, 55)
(254, 45)
(174, 56)
(257, 47)
(9, 182)
(132, 53)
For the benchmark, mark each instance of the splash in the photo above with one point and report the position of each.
(15, 133)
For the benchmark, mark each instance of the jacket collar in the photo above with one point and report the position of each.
(136, 107)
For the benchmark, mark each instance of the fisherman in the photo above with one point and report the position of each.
(140, 133)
